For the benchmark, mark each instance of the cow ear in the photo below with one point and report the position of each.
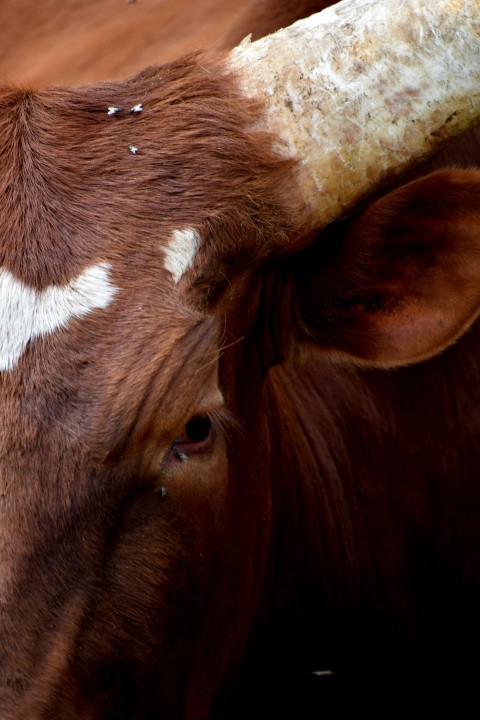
(405, 281)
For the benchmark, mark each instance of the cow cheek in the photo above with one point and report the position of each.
(135, 642)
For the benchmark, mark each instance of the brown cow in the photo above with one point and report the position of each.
(196, 496)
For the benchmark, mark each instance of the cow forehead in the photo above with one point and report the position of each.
(87, 198)
(81, 184)
(98, 244)
(27, 313)
(181, 251)
(131, 371)
(91, 226)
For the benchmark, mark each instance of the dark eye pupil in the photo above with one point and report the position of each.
(198, 428)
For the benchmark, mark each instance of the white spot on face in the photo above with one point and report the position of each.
(181, 251)
(136, 108)
(26, 313)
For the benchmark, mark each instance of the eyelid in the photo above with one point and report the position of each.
(212, 402)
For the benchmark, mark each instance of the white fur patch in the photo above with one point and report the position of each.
(26, 313)
(181, 252)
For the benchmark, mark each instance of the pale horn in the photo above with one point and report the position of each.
(363, 90)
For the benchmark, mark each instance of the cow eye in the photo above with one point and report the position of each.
(198, 437)
(198, 429)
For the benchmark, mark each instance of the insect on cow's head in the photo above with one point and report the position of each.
(154, 265)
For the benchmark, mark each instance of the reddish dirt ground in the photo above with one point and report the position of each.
(47, 42)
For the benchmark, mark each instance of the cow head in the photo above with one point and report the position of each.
(155, 265)
(115, 490)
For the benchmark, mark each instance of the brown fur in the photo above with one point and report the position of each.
(330, 519)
